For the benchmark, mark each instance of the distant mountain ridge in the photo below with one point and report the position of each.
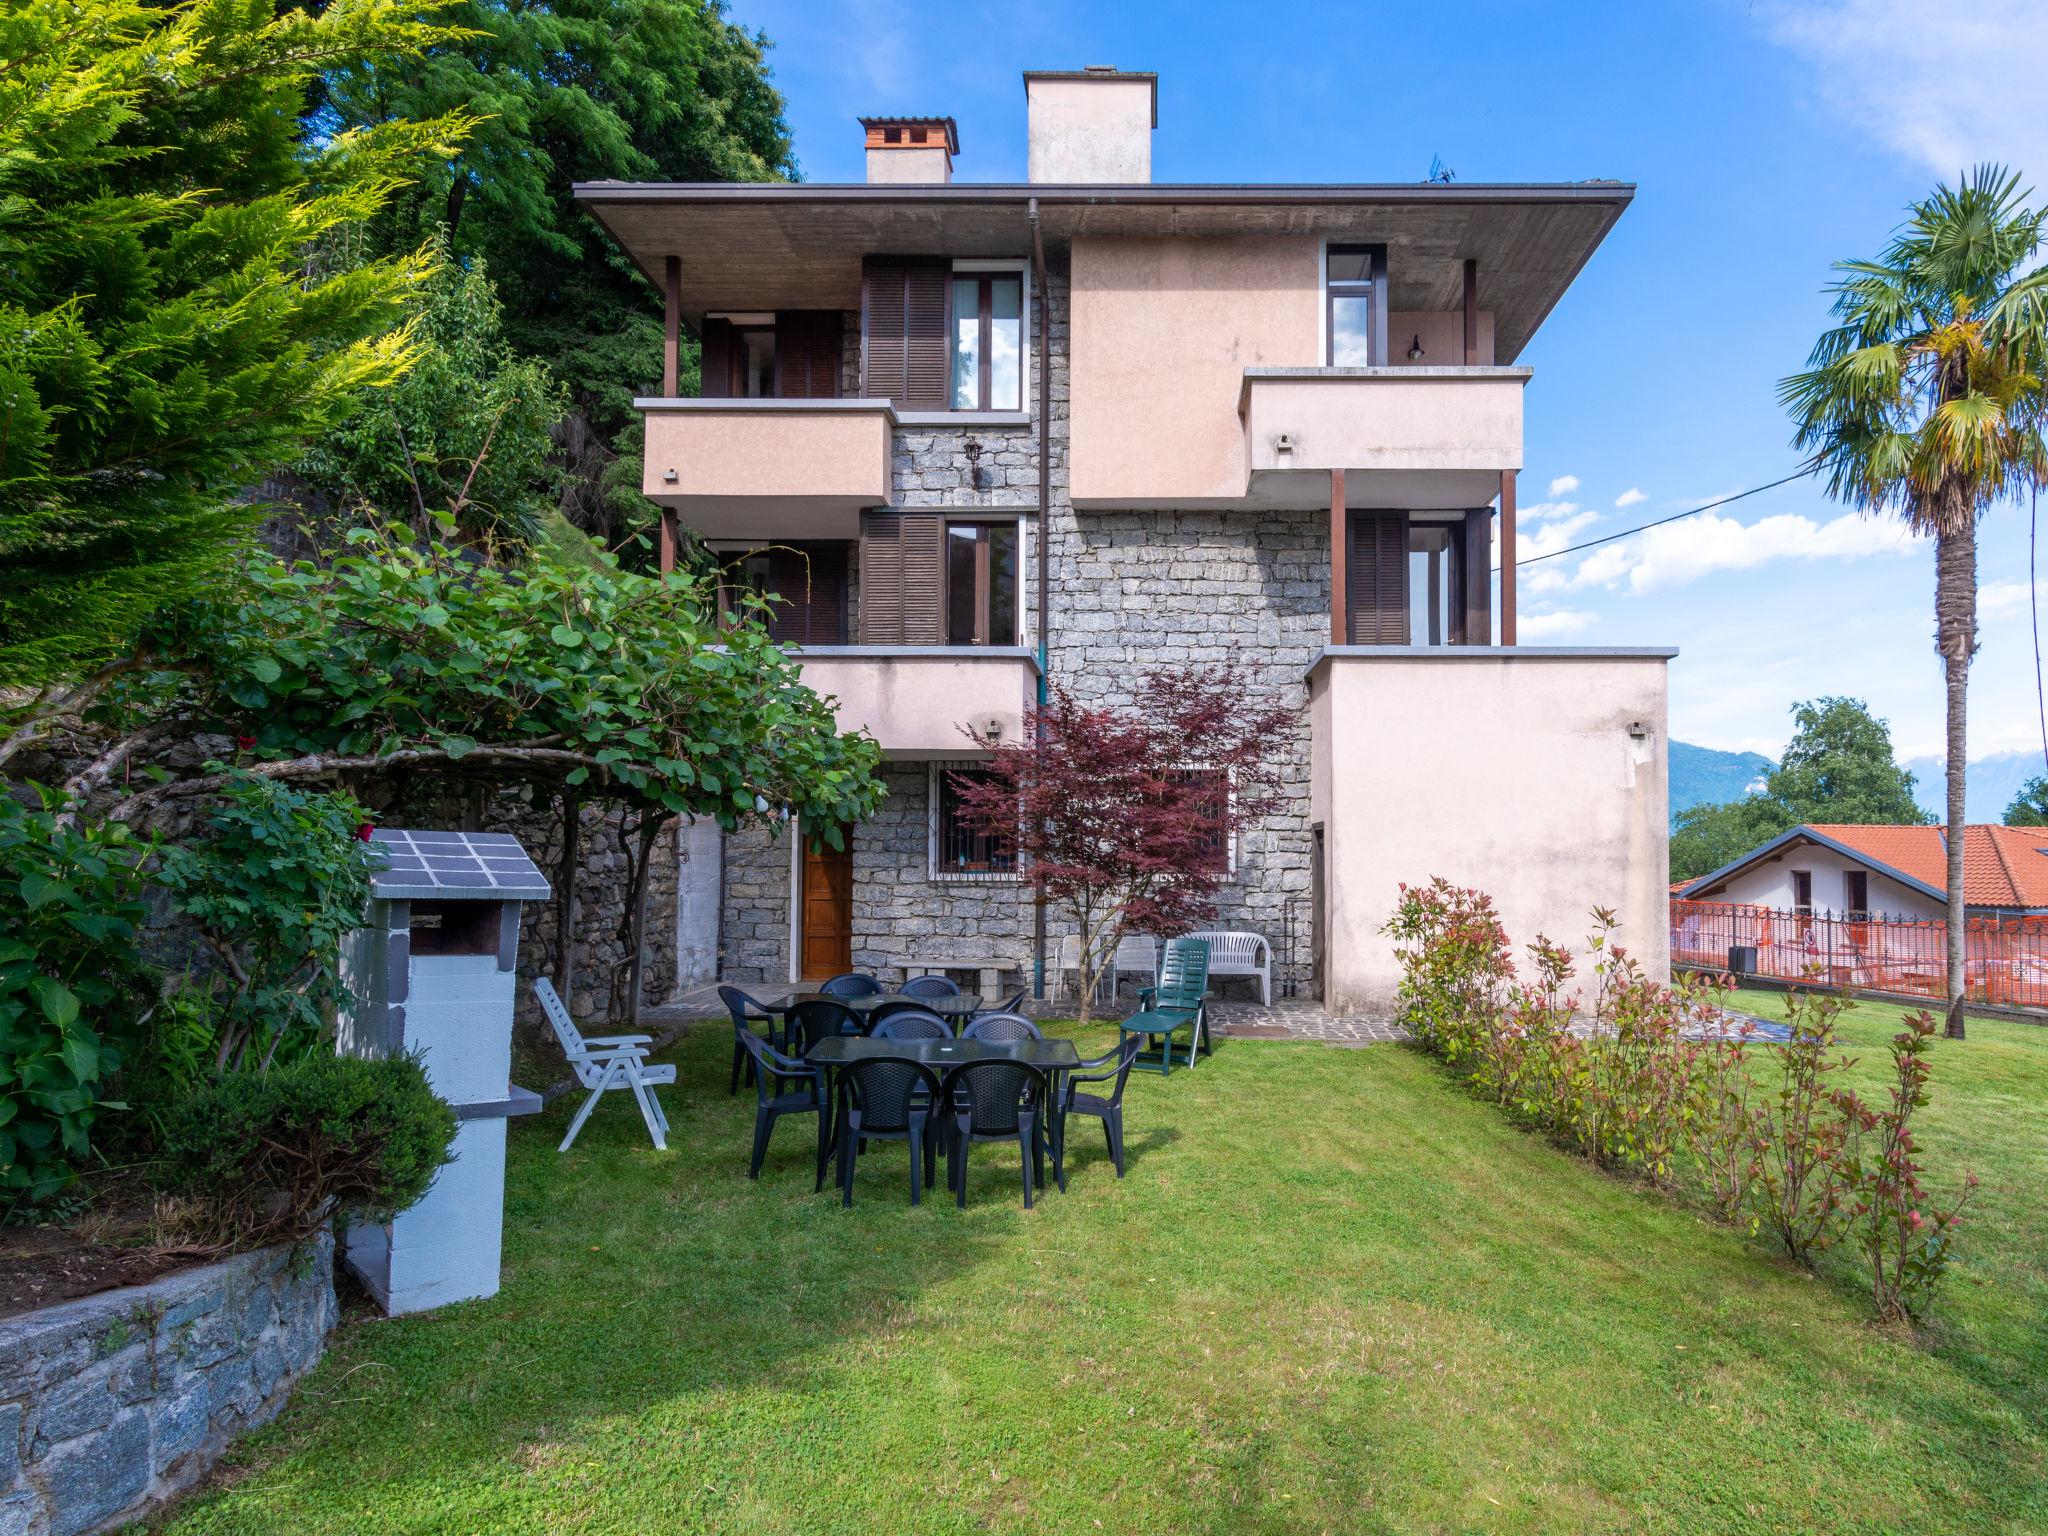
(1704, 775)
(1989, 783)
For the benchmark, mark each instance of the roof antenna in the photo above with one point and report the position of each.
(1439, 174)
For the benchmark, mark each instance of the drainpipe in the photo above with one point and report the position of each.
(1044, 539)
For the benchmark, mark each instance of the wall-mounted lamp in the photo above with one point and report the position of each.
(669, 477)
(1415, 348)
(1638, 730)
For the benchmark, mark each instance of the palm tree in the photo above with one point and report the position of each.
(1926, 402)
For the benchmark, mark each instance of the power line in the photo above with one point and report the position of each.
(1676, 517)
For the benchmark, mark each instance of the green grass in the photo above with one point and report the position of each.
(1333, 1295)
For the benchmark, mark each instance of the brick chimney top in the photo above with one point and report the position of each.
(911, 149)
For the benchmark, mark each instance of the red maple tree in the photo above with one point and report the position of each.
(1122, 816)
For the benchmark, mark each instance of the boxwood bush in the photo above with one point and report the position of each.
(273, 1157)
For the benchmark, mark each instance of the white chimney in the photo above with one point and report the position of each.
(911, 149)
(1092, 126)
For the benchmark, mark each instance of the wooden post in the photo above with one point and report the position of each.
(671, 327)
(1340, 559)
(1507, 557)
(668, 540)
(1471, 313)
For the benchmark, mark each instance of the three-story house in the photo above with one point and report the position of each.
(980, 437)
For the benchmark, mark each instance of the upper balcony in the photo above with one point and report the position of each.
(1410, 436)
(737, 468)
(926, 701)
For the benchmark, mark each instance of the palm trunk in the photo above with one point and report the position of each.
(1955, 616)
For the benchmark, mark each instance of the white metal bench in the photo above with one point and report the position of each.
(604, 1062)
(1137, 952)
(1240, 954)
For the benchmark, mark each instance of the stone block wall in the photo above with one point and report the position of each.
(902, 915)
(754, 909)
(113, 1403)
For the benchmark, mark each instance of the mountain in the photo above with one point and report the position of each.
(1702, 774)
(1988, 785)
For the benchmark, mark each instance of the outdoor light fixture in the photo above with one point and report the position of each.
(1415, 348)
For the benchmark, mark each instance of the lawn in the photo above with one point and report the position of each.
(1332, 1295)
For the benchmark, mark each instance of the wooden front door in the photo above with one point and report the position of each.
(826, 922)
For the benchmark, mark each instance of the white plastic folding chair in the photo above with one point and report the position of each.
(603, 1062)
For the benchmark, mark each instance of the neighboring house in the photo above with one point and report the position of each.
(976, 436)
(1886, 871)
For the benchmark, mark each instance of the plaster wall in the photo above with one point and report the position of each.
(1162, 331)
(1089, 132)
(1516, 774)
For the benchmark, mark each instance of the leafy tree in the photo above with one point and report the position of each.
(2029, 807)
(575, 90)
(1838, 767)
(164, 342)
(1706, 836)
(464, 432)
(1927, 401)
(1108, 821)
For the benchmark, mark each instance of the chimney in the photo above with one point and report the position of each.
(1091, 126)
(911, 149)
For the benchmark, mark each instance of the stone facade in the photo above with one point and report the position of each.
(1128, 591)
(113, 1403)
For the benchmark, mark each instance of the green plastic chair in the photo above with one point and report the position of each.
(1179, 1001)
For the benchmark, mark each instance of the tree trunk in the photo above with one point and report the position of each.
(1955, 617)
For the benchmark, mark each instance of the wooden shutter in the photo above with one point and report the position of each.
(902, 577)
(807, 354)
(1376, 578)
(1475, 560)
(720, 346)
(905, 356)
(811, 584)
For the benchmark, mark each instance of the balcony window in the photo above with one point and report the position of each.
(988, 341)
(807, 587)
(1419, 578)
(981, 583)
(1355, 287)
(789, 355)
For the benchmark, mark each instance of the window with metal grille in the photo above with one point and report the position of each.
(1219, 850)
(960, 850)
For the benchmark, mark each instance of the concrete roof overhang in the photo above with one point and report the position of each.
(766, 246)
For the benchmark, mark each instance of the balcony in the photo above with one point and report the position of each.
(924, 701)
(797, 469)
(1407, 437)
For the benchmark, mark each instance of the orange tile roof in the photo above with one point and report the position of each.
(2002, 866)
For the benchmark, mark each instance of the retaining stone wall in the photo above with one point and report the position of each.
(113, 1403)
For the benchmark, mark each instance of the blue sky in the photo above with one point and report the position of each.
(1767, 140)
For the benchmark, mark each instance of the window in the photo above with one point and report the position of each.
(1418, 578)
(1429, 583)
(808, 582)
(1802, 892)
(941, 335)
(959, 850)
(788, 355)
(1355, 283)
(1218, 846)
(988, 341)
(1856, 894)
(981, 583)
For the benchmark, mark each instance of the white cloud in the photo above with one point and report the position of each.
(1550, 537)
(1682, 552)
(1541, 511)
(1563, 485)
(1629, 498)
(1557, 624)
(1941, 86)
(1996, 599)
